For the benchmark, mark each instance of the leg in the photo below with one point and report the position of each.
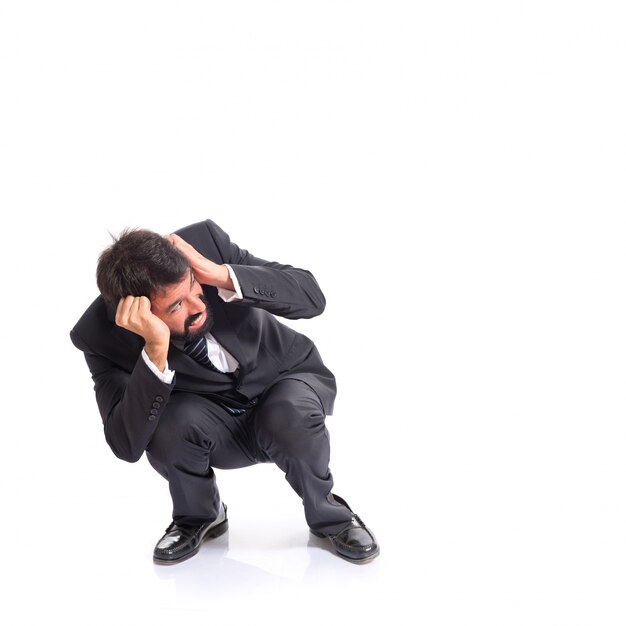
(194, 435)
(288, 425)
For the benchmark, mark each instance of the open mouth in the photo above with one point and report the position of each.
(196, 320)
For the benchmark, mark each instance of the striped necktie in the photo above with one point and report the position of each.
(197, 349)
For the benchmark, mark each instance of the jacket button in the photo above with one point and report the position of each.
(273, 294)
(159, 398)
(156, 405)
(154, 411)
(256, 290)
(151, 418)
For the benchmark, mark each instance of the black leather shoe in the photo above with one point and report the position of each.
(182, 541)
(355, 542)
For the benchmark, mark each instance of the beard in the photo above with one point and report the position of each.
(189, 335)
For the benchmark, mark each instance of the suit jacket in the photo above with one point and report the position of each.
(131, 398)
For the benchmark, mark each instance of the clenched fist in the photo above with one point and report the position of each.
(134, 313)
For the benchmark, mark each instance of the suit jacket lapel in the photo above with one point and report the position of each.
(224, 331)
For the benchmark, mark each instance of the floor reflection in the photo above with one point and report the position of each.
(217, 572)
(212, 573)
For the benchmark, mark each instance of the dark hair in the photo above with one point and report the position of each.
(138, 263)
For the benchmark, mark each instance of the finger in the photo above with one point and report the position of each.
(181, 244)
(144, 305)
(175, 240)
(134, 310)
(121, 313)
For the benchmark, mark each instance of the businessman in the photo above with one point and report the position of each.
(191, 366)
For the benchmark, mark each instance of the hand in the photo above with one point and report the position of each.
(134, 313)
(206, 271)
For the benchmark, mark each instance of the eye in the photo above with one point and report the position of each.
(177, 306)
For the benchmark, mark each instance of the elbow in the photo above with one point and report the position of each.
(318, 300)
(315, 302)
(318, 305)
(124, 450)
(321, 307)
(131, 457)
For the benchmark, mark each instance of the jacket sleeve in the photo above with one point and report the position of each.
(130, 403)
(281, 289)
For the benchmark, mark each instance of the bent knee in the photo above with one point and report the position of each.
(180, 423)
(287, 425)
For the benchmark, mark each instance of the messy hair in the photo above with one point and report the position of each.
(139, 263)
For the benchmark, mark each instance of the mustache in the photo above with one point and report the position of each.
(192, 318)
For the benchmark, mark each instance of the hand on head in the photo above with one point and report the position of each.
(134, 313)
(206, 271)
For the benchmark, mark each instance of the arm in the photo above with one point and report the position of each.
(130, 403)
(135, 314)
(281, 289)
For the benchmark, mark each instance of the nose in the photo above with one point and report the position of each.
(196, 306)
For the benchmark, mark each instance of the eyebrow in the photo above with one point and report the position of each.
(192, 280)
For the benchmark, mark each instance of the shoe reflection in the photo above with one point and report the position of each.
(255, 564)
(212, 573)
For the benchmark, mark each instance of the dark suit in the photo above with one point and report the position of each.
(282, 384)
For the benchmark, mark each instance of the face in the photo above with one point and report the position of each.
(184, 309)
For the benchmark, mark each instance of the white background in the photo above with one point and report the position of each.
(453, 174)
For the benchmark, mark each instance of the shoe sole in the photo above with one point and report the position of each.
(361, 561)
(350, 559)
(212, 533)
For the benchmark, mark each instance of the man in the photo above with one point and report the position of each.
(191, 366)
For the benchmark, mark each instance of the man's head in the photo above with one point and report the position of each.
(142, 263)
(139, 263)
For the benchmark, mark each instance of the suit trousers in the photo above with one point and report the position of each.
(286, 427)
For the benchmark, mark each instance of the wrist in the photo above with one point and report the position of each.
(225, 279)
(216, 276)
(157, 353)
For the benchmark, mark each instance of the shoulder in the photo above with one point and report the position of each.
(201, 229)
(96, 332)
(98, 314)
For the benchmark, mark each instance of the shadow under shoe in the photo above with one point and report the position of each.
(182, 541)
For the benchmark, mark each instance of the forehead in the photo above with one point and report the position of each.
(172, 293)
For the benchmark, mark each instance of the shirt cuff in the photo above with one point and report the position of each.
(226, 294)
(165, 376)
